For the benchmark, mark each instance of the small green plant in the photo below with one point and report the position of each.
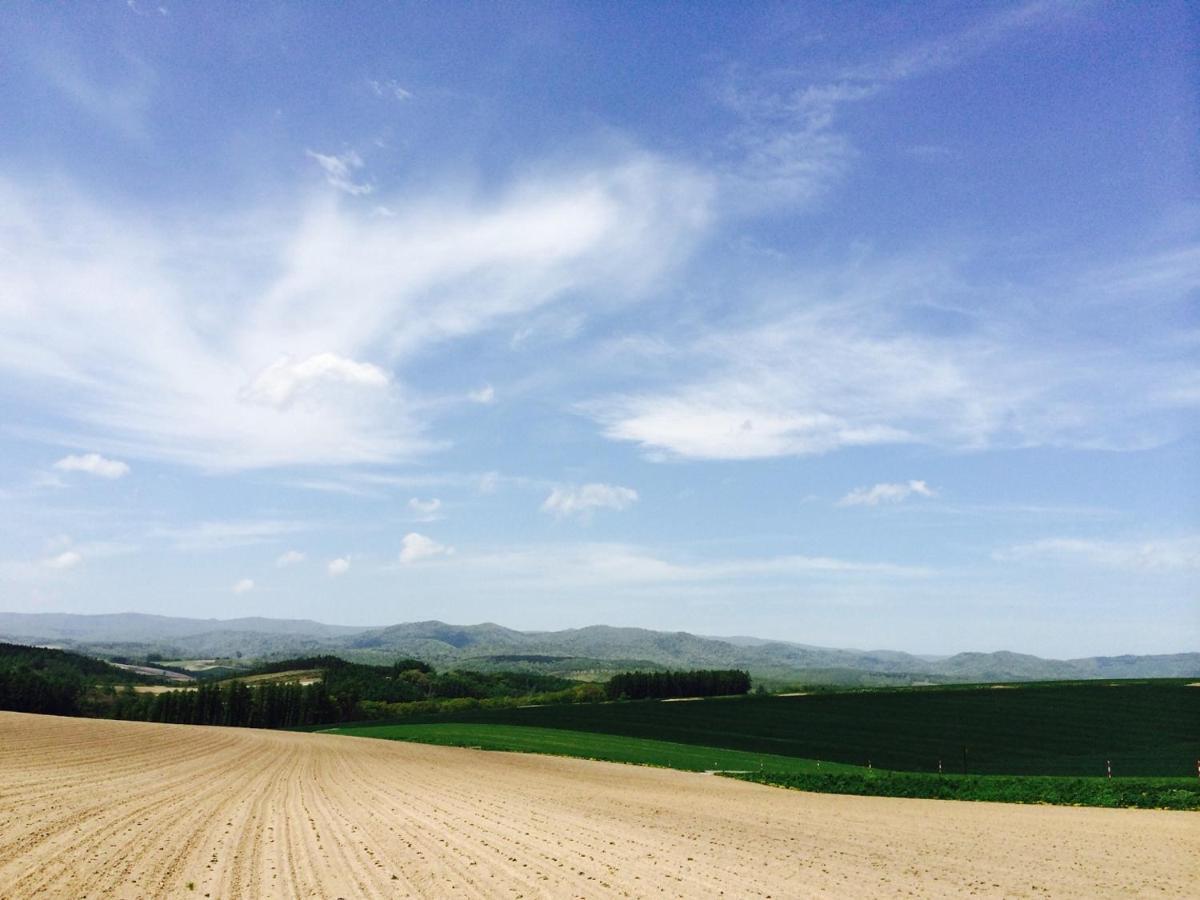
(191, 885)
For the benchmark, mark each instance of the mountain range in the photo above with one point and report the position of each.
(589, 651)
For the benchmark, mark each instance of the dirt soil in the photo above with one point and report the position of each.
(91, 808)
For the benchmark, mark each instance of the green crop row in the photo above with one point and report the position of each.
(1142, 793)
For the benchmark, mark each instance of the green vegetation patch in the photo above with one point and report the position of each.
(589, 745)
(1145, 728)
(1142, 793)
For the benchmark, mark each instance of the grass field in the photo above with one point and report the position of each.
(1147, 728)
(589, 745)
(797, 773)
(1143, 793)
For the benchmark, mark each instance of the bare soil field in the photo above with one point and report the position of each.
(92, 808)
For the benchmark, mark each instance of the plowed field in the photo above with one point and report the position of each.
(119, 809)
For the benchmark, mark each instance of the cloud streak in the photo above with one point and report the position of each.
(886, 493)
(270, 340)
(851, 361)
(1159, 555)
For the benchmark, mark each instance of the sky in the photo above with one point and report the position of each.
(851, 324)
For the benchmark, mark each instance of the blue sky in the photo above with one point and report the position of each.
(849, 324)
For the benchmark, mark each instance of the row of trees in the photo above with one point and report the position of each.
(266, 705)
(661, 685)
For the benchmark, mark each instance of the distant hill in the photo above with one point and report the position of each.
(137, 627)
(587, 652)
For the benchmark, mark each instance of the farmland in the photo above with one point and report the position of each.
(143, 809)
(589, 745)
(1147, 728)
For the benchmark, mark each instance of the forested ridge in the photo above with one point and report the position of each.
(33, 679)
(39, 679)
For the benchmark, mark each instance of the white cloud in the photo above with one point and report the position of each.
(485, 394)
(286, 380)
(217, 535)
(93, 464)
(339, 171)
(582, 500)
(268, 331)
(886, 493)
(425, 510)
(289, 558)
(1157, 555)
(68, 559)
(339, 566)
(416, 547)
(787, 148)
(488, 482)
(388, 88)
(590, 564)
(243, 585)
(849, 359)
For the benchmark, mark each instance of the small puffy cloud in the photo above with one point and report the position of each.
(415, 547)
(486, 394)
(244, 585)
(887, 493)
(68, 559)
(339, 566)
(287, 380)
(488, 482)
(339, 171)
(290, 558)
(581, 501)
(93, 464)
(425, 510)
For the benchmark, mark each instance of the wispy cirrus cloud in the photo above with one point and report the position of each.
(788, 146)
(855, 361)
(597, 563)
(389, 88)
(1154, 555)
(296, 358)
(339, 171)
(217, 535)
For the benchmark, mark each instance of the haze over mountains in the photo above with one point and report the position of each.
(590, 649)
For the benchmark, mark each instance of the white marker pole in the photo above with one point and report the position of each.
(1108, 763)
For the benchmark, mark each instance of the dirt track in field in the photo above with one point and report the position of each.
(122, 809)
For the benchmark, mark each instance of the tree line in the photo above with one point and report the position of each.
(263, 705)
(42, 680)
(663, 685)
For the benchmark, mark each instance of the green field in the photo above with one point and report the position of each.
(1144, 793)
(1146, 728)
(589, 745)
(797, 773)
